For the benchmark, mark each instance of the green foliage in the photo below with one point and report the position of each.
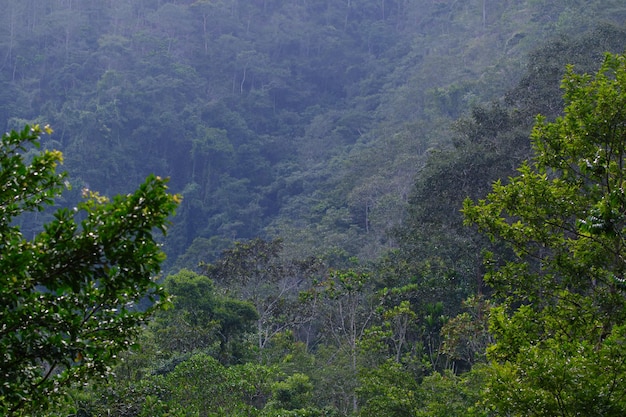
(255, 271)
(388, 390)
(199, 385)
(446, 394)
(204, 386)
(575, 370)
(349, 308)
(293, 393)
(71, 293)
(439, 250)
(562, 295)
(319, 126)
(202, 318)
(261, 111)
(466, 336)
(537, 91)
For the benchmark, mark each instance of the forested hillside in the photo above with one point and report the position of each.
(305, 120)
(319, 262)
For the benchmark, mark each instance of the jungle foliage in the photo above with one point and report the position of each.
(320, 263)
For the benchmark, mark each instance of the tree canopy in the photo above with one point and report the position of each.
(71, 293)
(559, 326)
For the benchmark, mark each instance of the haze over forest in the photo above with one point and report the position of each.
(323, 150)
(305, 120)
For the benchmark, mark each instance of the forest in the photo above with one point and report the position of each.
(383, 207)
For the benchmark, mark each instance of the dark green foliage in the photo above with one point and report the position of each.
(257, 272)
(293, 393)
(202, 319)
(388, 390)
(538, 90)
(259, 112)
(436, 253)
(199, 385)
(204, 386)
(438, 263)
(70, 294)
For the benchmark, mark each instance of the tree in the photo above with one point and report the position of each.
(202, 317)
(349, 309)
(70, 294)
(388, 390)
(559, 327)
(202, 386)
(293, 393)
(447, 394)
(255, 271)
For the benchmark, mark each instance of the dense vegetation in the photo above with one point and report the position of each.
(318, 261)
(306, 120)
(69, 294)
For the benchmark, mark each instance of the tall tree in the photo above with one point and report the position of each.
(559, 327)
(70, 294)
(256, 272)
(348, 310)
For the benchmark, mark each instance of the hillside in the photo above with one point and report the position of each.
(302, 120)
(320, 263)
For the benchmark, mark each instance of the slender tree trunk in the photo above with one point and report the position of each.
(484, 13)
